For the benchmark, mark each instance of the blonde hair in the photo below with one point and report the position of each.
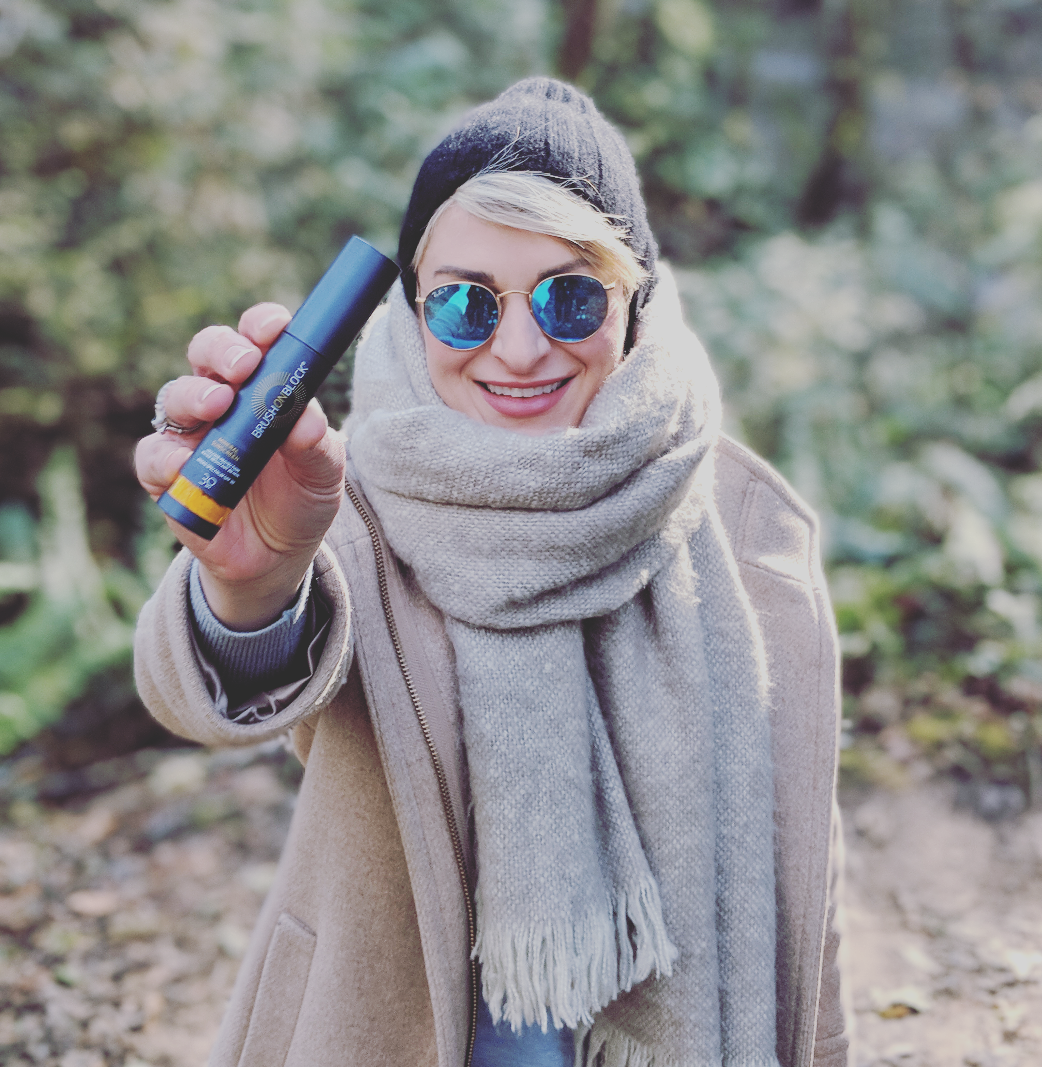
(528, 200)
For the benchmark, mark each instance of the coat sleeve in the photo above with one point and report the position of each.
(171, 682)
(252, 661)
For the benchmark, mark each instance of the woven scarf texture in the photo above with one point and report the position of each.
(612, 683)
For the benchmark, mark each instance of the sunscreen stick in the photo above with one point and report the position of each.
(228, 459)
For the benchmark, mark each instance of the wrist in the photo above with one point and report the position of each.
(247, 605)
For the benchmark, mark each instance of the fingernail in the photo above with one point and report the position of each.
(216, 385)
(236, 354)
(271, 320)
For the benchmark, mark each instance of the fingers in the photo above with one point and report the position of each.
(189, 402)
(262, 323)
(196, 401)
(221, 359)
(220, 353)
(315, 453)
(309, 430)
(157, 459)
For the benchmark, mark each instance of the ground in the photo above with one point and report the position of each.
(123, 914)
(944, 931)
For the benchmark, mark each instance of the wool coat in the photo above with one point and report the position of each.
(361, 952)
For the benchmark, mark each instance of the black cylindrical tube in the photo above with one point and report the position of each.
(224, 465)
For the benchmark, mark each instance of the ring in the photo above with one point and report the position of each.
(162, 423)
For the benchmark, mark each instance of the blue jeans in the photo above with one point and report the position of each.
(499, 1046)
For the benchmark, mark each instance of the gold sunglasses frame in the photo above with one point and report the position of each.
(512, 292)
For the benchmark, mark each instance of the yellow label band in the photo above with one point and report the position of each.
(197, 502)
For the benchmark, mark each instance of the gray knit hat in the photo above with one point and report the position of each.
(544, 125)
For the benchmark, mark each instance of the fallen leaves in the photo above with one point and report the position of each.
(918, 958)
(21, 910)
(1023, 965)
(93, 903)
(122, 920)
(900, 1002)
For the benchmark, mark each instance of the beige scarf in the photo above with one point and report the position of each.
(612, 682)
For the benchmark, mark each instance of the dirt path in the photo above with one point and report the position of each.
(122, 919)
(944, 915)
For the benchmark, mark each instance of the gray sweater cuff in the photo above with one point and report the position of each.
(253, 661)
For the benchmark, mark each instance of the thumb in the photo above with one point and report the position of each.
(315, 453)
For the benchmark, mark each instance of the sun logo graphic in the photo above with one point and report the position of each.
(279, 396)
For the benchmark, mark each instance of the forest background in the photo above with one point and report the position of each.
(850, 193)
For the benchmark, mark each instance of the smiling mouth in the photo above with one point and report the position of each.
(533, 390)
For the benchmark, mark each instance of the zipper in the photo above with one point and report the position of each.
(439, 769)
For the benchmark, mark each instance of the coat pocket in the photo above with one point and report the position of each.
(279, 994)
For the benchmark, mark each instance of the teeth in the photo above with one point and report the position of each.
(502, 390)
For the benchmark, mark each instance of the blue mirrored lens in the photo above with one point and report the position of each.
(571, 307)
(461, 315)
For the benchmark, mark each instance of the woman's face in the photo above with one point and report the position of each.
(518, 355)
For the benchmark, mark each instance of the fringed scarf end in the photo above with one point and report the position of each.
(574, 972)
(615, 1049)
(642, 939)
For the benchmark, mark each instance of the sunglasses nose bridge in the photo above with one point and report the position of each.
(500, 304)
(512, 292)
(518, 339)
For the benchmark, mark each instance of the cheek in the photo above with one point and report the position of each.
(445, 367)
(430, 347)
(437, 367)
(611, 337)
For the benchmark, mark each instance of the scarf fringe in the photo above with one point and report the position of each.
(648, 947)
(609, 1047)
(574, 971)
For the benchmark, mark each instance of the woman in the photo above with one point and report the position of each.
(552, 596)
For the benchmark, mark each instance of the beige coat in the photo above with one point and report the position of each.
(360, 955)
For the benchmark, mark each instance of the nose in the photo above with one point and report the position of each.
(518, 342)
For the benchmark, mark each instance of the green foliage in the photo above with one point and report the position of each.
(848, 191)
(74, 621)
(167, 164)
(889, 359)
(164, 165)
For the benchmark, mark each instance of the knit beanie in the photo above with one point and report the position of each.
(543, 125)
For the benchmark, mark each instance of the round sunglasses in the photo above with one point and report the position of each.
(567, 307)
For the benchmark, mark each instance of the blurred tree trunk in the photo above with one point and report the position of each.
(839, 179)
(580, 24)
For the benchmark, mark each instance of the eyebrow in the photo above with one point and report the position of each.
(481, 278)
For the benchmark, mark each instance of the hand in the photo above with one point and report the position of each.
(252, 569)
